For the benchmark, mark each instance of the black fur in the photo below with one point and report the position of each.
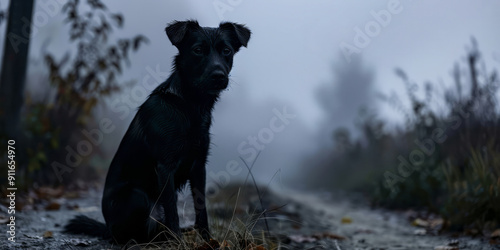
(168, 140)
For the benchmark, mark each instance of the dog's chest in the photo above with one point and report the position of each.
(197, 143)
(198, 136)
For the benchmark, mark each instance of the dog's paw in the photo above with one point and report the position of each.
(205, 234)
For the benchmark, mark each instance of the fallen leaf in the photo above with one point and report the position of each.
(71, 195)
(258, 248)
(472, 232)
(48, 192)
(212, 244)
(72, 206)
(225, 244)
(346, 220)
(329, 236)
(495, 234)
(53, 206)
(436, 223)
(47, 234)
(420, 223)
(20, 203)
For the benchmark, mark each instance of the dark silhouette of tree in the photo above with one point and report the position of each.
(14, 63)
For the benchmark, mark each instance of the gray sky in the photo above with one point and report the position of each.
(294, 49)
(296, 43)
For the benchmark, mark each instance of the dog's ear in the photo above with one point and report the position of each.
(239, 32)
(176, 30)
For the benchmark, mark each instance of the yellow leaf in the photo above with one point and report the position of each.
(47, 234)
(346, 220)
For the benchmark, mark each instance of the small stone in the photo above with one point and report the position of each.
(420, 232)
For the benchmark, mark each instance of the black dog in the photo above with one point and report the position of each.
(168, 140)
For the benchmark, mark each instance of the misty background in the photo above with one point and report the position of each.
(293, 61)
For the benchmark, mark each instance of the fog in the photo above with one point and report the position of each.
(295, 63)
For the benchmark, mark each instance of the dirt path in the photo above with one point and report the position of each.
(305, 221)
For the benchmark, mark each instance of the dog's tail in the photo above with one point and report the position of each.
(84, 225)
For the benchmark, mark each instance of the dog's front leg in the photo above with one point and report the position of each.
(168, 199)
(197, 183)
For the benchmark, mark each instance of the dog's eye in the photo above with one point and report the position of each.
(197, 50)
(226, 51)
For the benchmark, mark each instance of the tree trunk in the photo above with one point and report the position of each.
(14, 64)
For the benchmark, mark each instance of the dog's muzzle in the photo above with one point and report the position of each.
(219, 80)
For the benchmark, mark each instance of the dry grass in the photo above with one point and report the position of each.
(232, 224)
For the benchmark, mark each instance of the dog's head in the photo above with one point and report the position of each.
(206, 54)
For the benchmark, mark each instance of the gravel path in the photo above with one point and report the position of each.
(376, 228)
(300, 220)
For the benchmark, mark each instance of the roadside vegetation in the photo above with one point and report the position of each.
(444, 159)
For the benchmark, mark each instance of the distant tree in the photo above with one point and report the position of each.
(348, 123)
(342, 98)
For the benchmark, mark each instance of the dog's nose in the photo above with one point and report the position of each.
(219, 76)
